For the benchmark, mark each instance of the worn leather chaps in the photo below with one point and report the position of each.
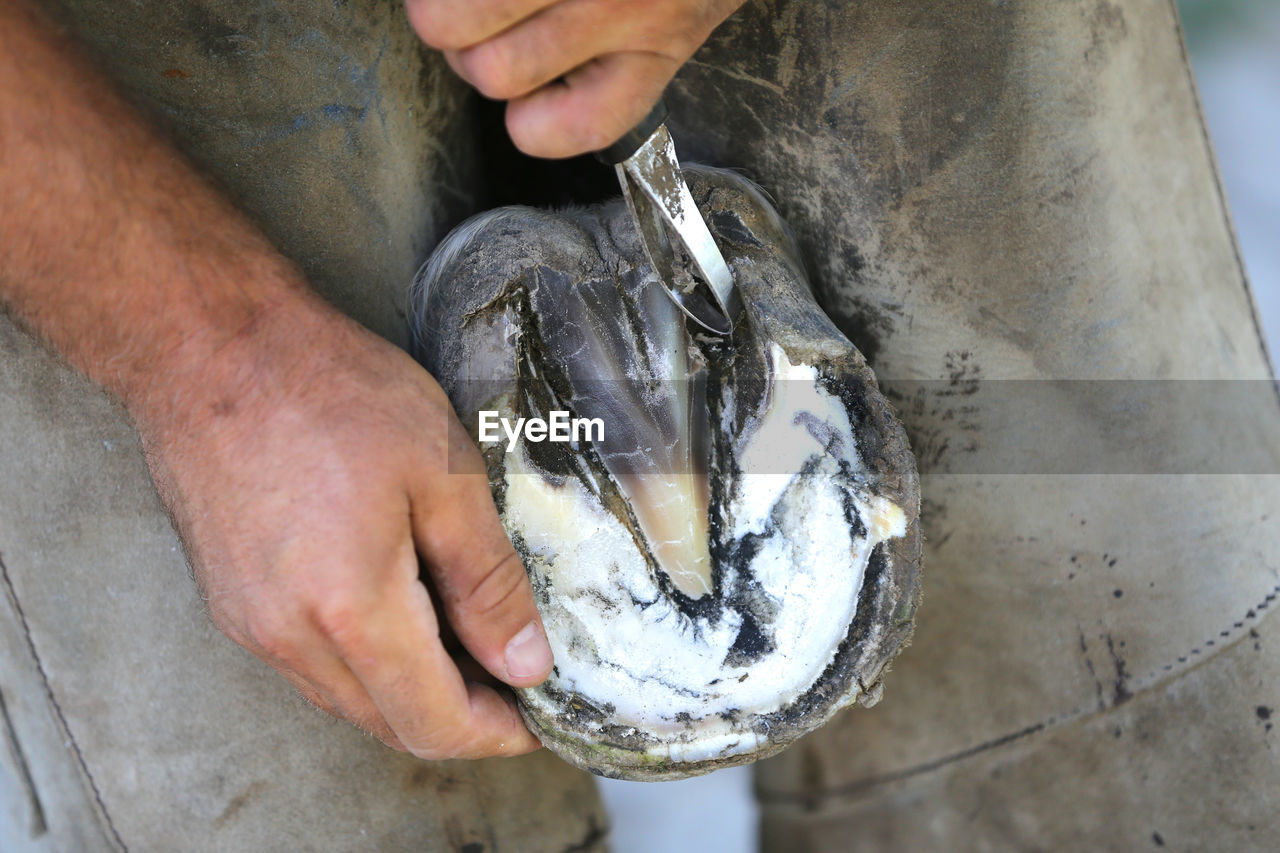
(1010, 207)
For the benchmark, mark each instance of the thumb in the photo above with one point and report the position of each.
(481, 581)
(590, 107)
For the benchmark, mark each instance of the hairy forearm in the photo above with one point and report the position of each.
(112, 247)
(311, 467)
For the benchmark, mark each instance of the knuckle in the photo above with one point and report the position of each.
(499, 588)
(341, 619)
(492, 71)
(268, 632)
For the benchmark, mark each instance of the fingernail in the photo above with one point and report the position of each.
(528, 653)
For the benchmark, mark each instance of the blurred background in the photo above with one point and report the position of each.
(1235, 52)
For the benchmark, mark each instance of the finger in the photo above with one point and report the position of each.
(592, 108)
(357, 709)
(448, 636)
(563, 37)
(459, 24)
(481, 582)
(392, 647)
(321, 678)
(473, 673)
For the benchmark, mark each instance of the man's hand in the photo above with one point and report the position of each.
(577, 73)
(307, 471)
(305, 461)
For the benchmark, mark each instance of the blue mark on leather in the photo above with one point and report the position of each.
(343, 112)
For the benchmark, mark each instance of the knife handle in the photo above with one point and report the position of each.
(635, 137)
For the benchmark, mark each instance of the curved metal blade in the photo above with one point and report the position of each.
(661, 205)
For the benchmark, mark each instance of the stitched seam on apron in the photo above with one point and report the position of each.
(851, 790)
(104, 818)
(38, 825)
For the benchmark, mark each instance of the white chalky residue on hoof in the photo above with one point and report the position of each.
(620, 642)
(780, 445)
